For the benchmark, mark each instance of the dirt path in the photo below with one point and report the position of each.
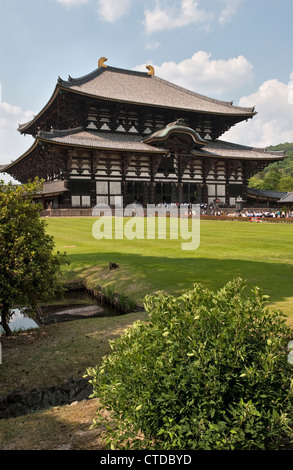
(61, 428)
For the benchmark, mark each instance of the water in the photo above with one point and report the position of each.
(74, 300)
(20, 321)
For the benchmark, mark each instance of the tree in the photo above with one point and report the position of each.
(256, 182)
(286, 184)
(29, 269)
(205, 371)
(271, 181)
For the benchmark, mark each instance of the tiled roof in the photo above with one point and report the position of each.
(53, 187)
(287, 198)
(133, 143)
(111, 141)
(140, 88)
(101, 140)
(221, 148)
(266, 193)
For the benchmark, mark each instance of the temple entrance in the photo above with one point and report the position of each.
(164, 193)
(135, 192)
(191, 193)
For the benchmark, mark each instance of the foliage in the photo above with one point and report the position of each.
(206, 371)
(279, 175)
(29, 271)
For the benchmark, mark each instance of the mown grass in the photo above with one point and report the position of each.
(65, 427)
(48, 355)
(261, 253)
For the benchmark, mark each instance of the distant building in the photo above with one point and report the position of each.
(264, 198)
(287, 200)
(116, 135)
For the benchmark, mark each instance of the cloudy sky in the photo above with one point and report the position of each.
(234, 50)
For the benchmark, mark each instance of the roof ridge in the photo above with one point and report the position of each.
(85, 78)
(199, 95)
(59, 132)
(258, 149)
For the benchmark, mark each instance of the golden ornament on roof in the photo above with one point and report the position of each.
(151, 69)
(102, 61)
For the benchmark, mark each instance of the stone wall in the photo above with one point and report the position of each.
(21, 402)
(67, 213)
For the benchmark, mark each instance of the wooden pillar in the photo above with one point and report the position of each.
(206, 166)
(94, 164)
(245, 177)
(228, 171)
(146, 192)
(152, 192)
(124, 191)
(227, 193)
(180, 193)
(68, 164)
(174, 195)
(205, 193)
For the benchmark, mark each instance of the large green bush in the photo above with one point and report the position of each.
(206, 371)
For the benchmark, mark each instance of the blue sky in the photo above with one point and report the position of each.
(235, 50)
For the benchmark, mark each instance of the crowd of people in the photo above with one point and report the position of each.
(215, 210)
(275, 213)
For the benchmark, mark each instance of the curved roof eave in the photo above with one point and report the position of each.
(102, 148)
(39, 140)
(245, 113)
(35, 144)
(74, 82)
(23, 127)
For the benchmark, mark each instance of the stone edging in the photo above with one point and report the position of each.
(21, 402)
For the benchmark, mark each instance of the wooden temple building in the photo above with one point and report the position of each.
(122, 135)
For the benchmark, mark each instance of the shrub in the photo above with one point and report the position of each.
(206, 371)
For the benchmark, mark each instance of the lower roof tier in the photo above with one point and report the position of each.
(52, 148)
(81, 138)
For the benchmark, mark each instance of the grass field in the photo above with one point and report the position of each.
(261, 253)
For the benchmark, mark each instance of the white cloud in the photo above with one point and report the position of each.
(72, 2)
(229, 10)
(152, 45)
(12, 143)
(274, 122)
(171, 17)
(204, 75)
(112, 10)
(10, 109)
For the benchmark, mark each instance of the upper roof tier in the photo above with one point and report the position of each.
(144, 89)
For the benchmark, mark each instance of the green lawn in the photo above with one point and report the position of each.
(261, 253)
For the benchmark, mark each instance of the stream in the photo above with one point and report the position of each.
(75, 305)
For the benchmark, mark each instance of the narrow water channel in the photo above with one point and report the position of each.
(20, 321)
(75, 304)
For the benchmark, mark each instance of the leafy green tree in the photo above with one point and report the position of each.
(285, 183)
(29, 269)
(255, 182)
(271, 181)
(284, 168)
(205, 371)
